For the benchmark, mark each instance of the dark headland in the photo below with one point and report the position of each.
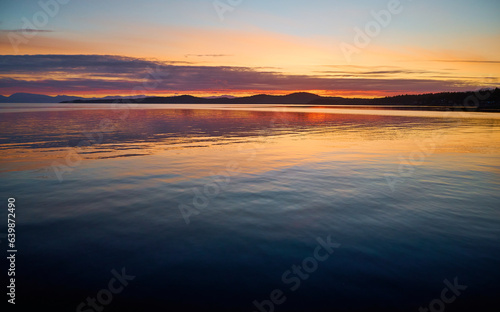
(484, 100)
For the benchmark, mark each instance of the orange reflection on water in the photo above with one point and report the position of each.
(197, 142)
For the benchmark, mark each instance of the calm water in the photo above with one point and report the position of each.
(411, 197)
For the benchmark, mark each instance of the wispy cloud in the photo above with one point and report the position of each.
(468, 61)
(356, 73)
(29, 30)
(207, 55)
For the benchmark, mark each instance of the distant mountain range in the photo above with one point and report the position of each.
(294, 98)
(491, 102)
(35, 98)
(40, 98)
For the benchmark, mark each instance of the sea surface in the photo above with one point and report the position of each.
(251, 207)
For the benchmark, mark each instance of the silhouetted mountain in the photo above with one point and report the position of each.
(486, 100)
(35, 98)
(41, 98)
(443, 100)
(220, 97)
(294, 98)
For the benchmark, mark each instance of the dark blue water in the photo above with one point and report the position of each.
(264, 189)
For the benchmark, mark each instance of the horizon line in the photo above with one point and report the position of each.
(244, 96)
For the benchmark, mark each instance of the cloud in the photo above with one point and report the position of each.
(30, 30)
(386, 73)
(72, 63)
(468, 61)
(77, 74)
(207, 55)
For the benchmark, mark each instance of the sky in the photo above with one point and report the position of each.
(357, 48)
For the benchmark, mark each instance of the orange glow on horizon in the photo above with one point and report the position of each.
(210, 93)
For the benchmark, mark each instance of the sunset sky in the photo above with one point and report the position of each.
(242, 47)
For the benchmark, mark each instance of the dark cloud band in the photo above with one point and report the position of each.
(108, 72)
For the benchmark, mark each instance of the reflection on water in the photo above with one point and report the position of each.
(412, 197)
(37, 138)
